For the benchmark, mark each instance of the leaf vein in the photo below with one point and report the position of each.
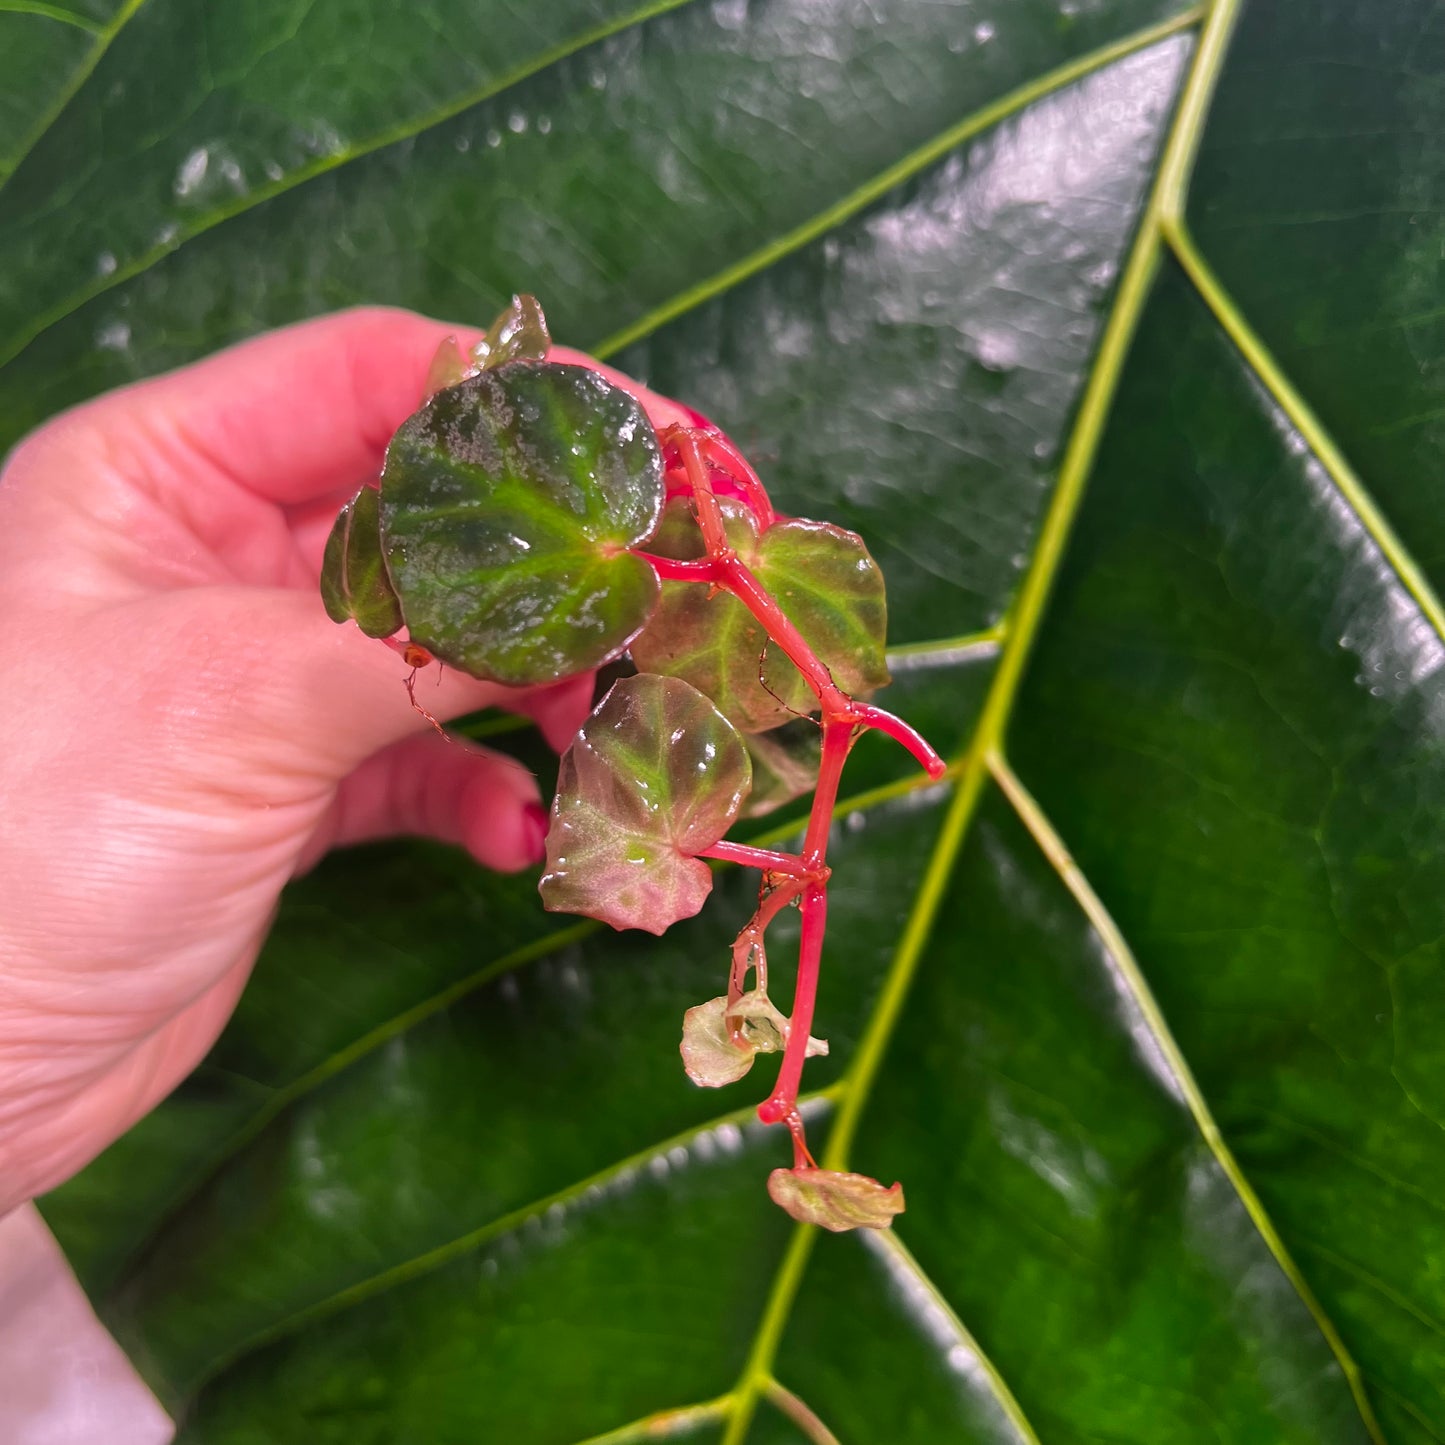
(895, 175)
(50, 12)
(663, 1423)
(1303, 419)
(1374, 1283)
(19, 340)
(426, 1008)
(420, 1264)
(800, 1413)
(66, 93)
(899, 1260)
(1187, 1089)
(1022, 624)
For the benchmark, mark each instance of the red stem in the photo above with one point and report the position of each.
(764, 858)
(672, 570)
(709, 514)
(842, 717)
(737, 468)
(900, 732)
(837, 740)
(728, 570)
(783, 1101)
(752, 937)
(738, 578)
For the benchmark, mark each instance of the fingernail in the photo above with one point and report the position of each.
(534, 830)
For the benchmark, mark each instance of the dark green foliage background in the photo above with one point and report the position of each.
(1169, 1114)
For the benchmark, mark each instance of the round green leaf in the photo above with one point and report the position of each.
(824, 579)
(507, 506)
(354, 579)
(655, 776)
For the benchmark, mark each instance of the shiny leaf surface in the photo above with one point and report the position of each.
(655, 776)
(41, 57)
(607, 184)
(567, 1276)
(187, 115)
(507, 503)
(370, 1145)
(823, 578)
(1273, 854)
(1139, 1007)
(518, 334)
(1318, 205)
(355, 584)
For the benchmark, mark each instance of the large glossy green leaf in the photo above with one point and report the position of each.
(611, 182)
(194, 113)
(1141, 1005)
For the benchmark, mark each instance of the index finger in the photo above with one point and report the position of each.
(305, 412)
(290, 415)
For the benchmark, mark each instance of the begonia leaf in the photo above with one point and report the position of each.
(508, 503)
(835, 1199)
(518, 334)
(655, 776)
(785, 765)
(355, 584)
(824, 579)
(713, 1055)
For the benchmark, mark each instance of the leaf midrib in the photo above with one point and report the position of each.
(1163, 216)
(1056, 852)
(1301, 416)
(874, 189)
(901, 1258)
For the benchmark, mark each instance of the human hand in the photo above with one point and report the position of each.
(187, 728)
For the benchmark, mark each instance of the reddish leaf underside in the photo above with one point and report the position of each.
(835, 1200)
(655, 776)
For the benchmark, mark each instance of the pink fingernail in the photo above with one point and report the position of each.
(534, 830)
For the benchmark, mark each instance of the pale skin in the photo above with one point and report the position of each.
(186, 730)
